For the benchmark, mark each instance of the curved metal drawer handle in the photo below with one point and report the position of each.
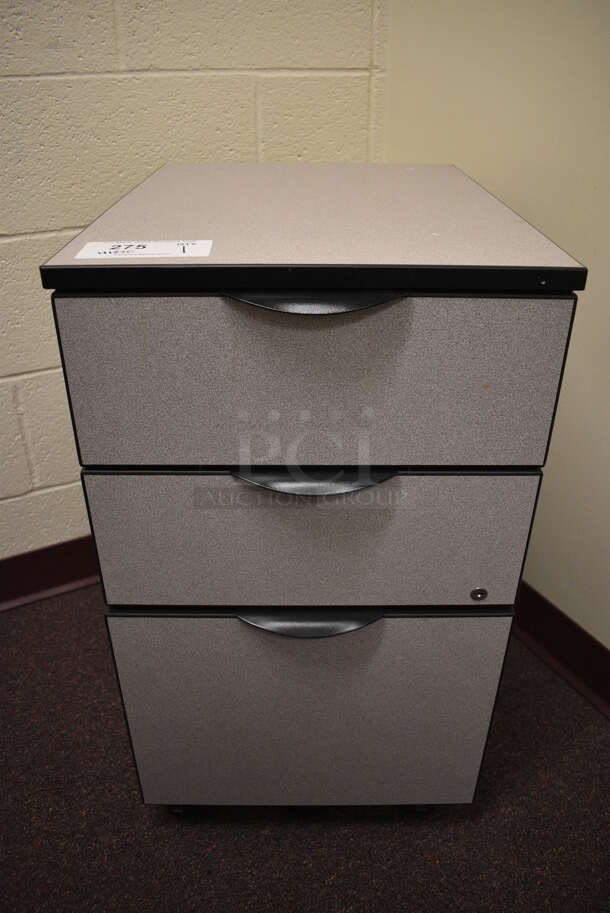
(313, 483)
(316, 304)
(312, 623)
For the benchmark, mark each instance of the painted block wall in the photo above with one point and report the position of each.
(518, 94)
(96, 96)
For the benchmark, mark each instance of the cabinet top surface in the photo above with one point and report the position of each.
(324, 215)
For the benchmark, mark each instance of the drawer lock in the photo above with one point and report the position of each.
(478, 594)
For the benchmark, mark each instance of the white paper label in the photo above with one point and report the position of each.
(122, 250)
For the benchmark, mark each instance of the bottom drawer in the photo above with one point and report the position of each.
(224, 713)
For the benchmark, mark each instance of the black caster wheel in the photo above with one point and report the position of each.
(176, 809)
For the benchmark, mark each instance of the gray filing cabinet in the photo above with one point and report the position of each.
(311, 403)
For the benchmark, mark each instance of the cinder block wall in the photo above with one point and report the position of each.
(96, 96)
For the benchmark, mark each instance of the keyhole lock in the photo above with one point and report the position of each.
(478, 594)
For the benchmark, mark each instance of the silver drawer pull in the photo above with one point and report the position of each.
(313, 483)
(315, 304)
(312, 623)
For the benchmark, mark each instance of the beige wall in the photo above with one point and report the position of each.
(94, 96)
(517, 93)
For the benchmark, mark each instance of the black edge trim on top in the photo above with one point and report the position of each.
(177, 279)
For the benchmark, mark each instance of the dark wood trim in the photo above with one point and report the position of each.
(48, 571)
(566, 647)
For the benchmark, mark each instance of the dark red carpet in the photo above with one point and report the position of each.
(76, 838)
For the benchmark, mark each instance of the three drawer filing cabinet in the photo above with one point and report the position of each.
(311, 404)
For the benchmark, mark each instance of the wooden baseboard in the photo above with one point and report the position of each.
(566, 647)
(558, 640)
(47, 572)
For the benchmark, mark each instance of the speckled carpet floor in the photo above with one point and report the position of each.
(76, 838)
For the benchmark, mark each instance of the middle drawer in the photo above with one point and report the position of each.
(215, 539)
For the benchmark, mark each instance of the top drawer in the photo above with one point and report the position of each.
(211, 380)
